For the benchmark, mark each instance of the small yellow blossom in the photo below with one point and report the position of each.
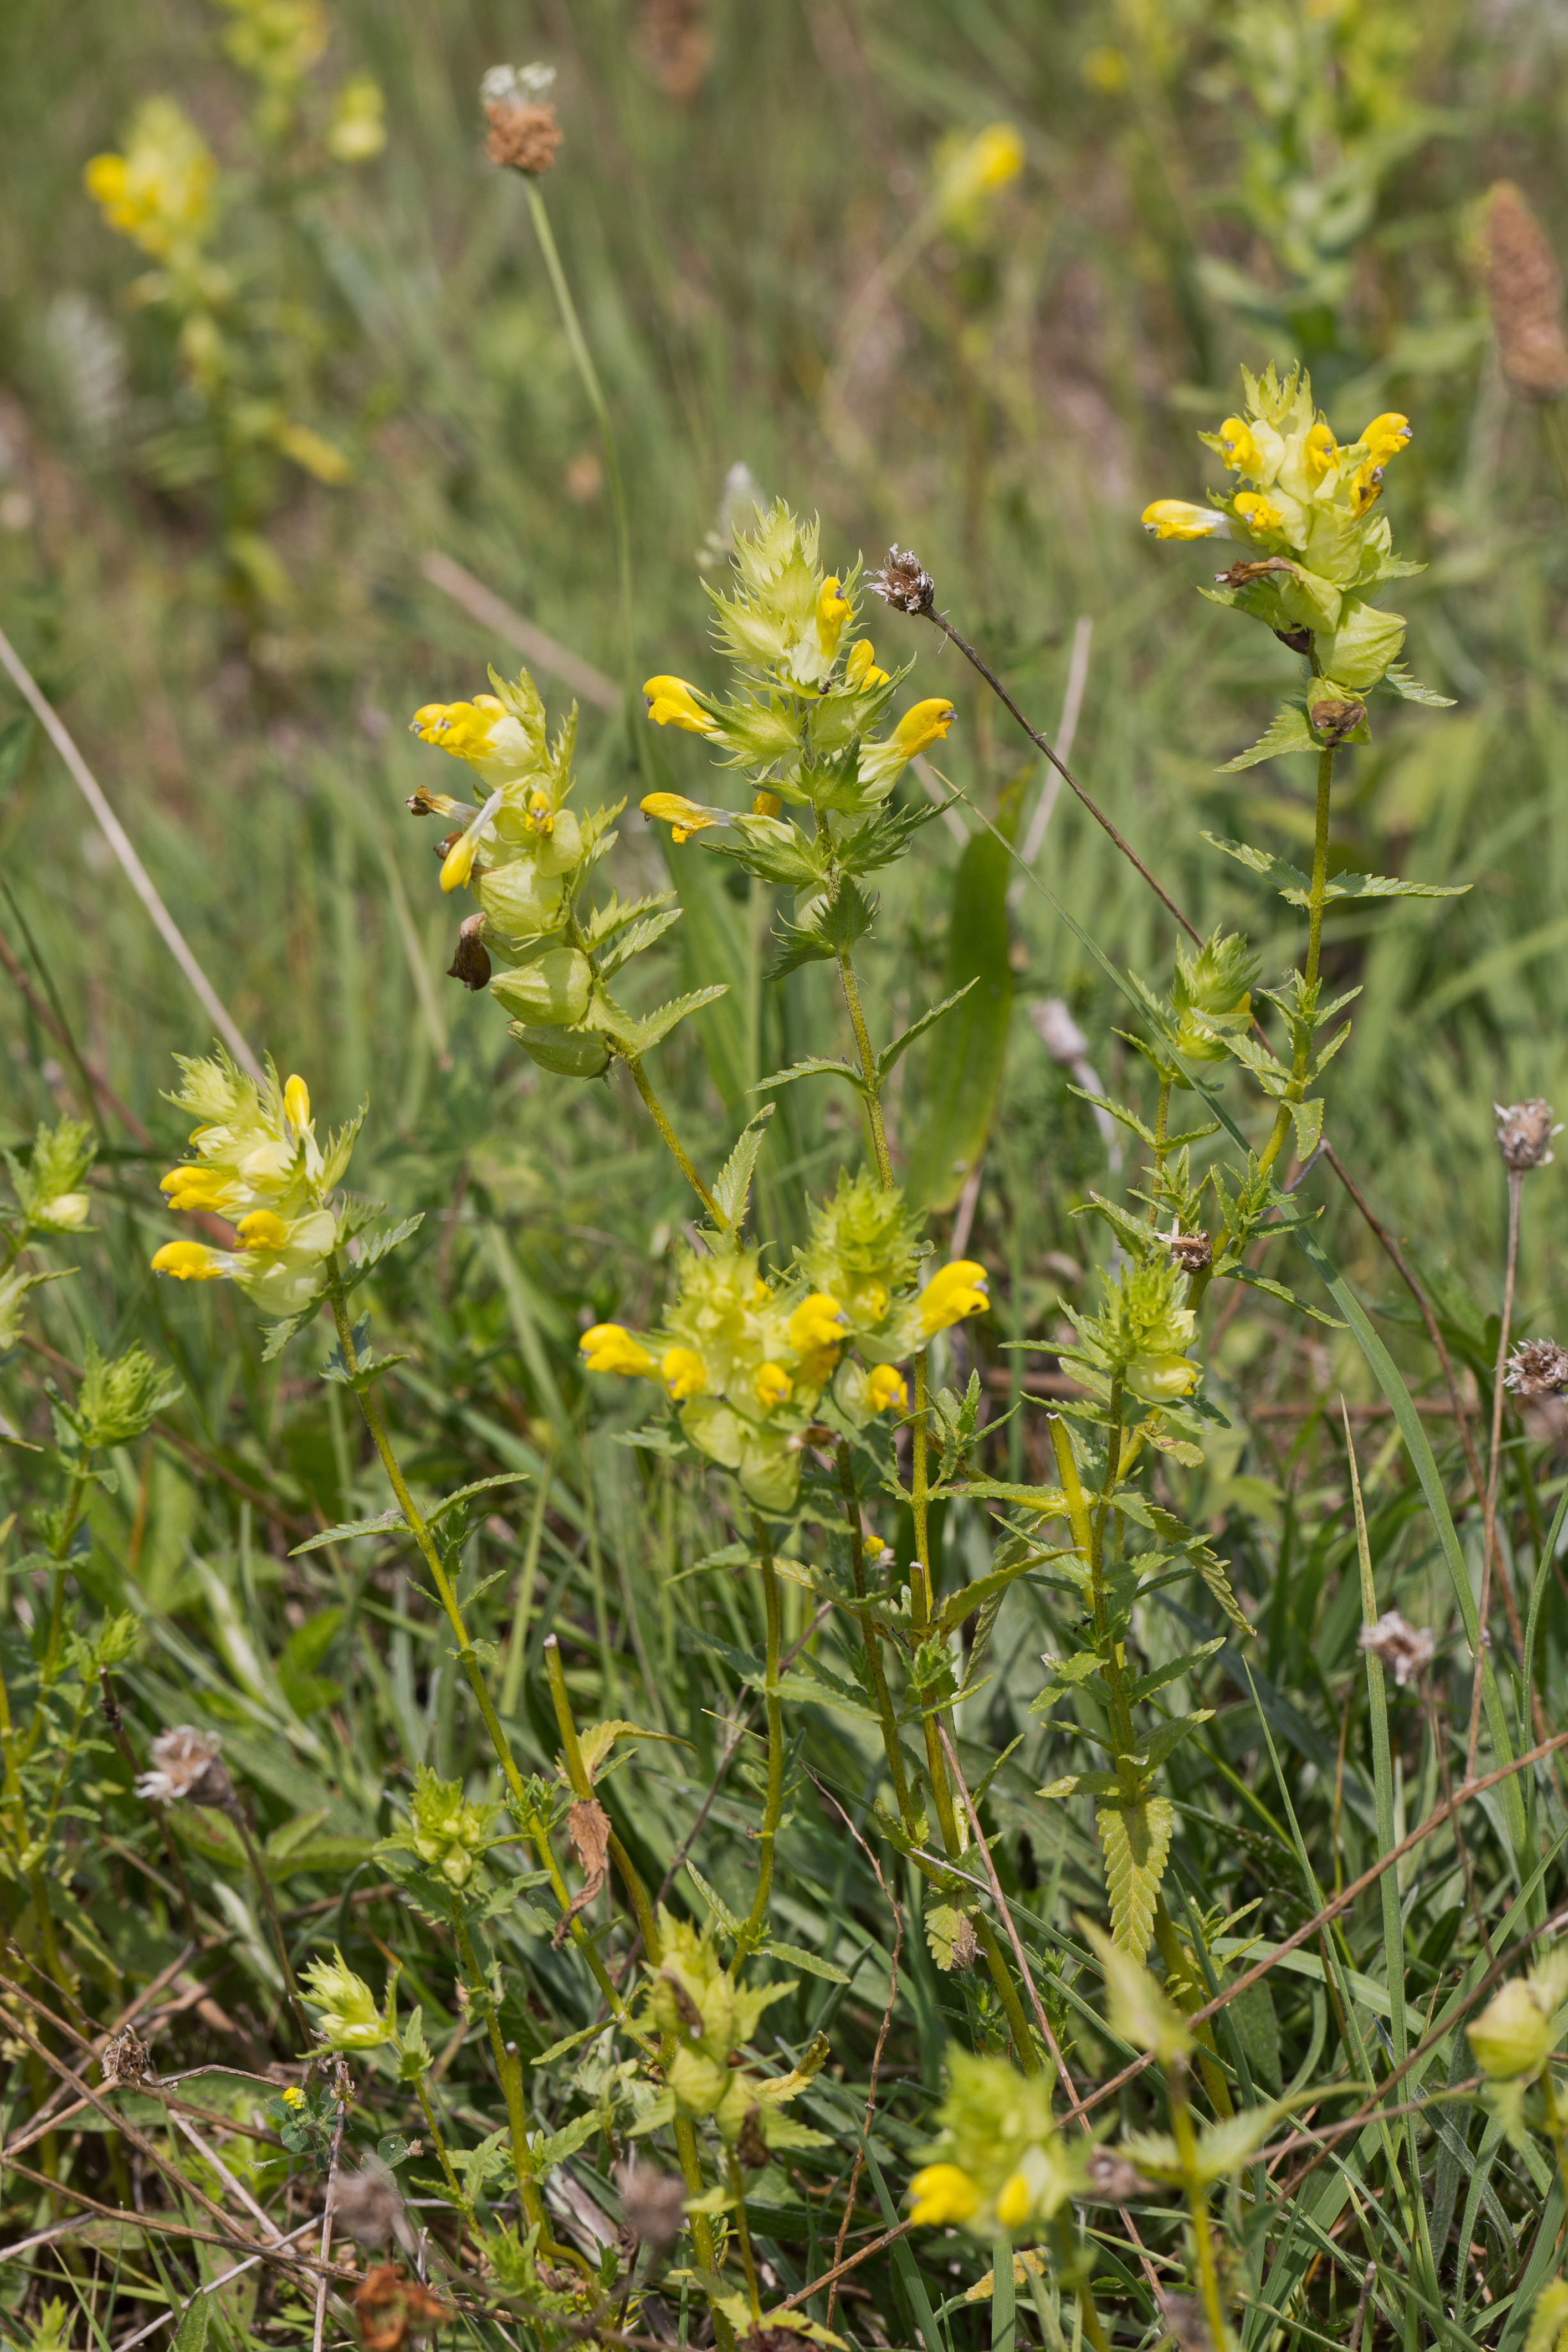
(685, 1373)
(610, 1348)
(942, 2193)
(1320, 450)
(1179, 519)
(293, 2098)
(1257, 513)
(927, 723)
(774, 1386)
(860, 670)
(957, 1290)
(263, 1229)
(1013, 2202)
(158, 193)
(1238, 448)
(885, 1387)
(765, 805)
(297, 1103)
(460, 728)
(358, 127)
(816, 1331)
(190, 1262)
(998, 155)
(1386, 437)
(459, 861)
(1163, 1379)
(672, 703)
(832, 609)
(195, 1187)
(684, 817)
(540, 815)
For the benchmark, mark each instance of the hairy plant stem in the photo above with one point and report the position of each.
(509, 2072)
(434, 2128)
(1301, 1052)
(868, 1068)
(1489, 1515)
(750, 1934)
(431, 1553)
(1181, 2132)
(656, 1112)
(872, 1640)
(743, 2233)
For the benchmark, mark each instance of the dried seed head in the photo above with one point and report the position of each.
(1405, 1649)
(1112, 2180)
(1194, 1253)
(368, 2205)
(1524, 288)
(125, 2059)
(654, 2203)
(425, 803)
(523, 137)
(1335, 721)
(1524, 1133)
(188, 1769)
(1538, 1368)
(902, 584)
(390, 2308)
(471, 963)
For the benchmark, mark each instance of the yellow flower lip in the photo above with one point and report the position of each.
(672, 703)
(189, 1262)
(1013, 2202)
(684, 817)
(833, 610)
(1179, 519)
(1238, 448)
(1386, 435)
(942, 2193)
(464, 728)
(927, 723)
(459, 861)
(1257, 513)
(263, 1229)
(297, 1103)
(772, 1385)
(685, 1373)
(885, 1386)
(610, 1348)
(860, 671)
(958, 1289)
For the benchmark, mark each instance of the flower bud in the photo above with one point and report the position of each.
(1512, 2035)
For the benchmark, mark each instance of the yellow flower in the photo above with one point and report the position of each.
(685, 1373)
(1238, 447)
(958, 1290)
(191, 1262)
(263, 1229)
(672, 703)
(1386, 437)
(772, 1385)
(885, 1387)
(860, 670)
(817, 1333)
(1178, 519)
(358, 127)
(1512, 2035)
(1366, 487)
(196, 1186)
(942, 2192)
(1013, 2202)
(928, 722)
(1320, 450)
(832, 612)
(1163, 1379)
(464, 728)
(159, 192)
(297, 1103)
(765, 804)
(459, 861)
(610, 1348)
(293, 2098)
(998, 155)
(684, 817)
(1257, 513)
(541, 816)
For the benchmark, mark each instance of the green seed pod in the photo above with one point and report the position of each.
(552, 988)
(564, 1052)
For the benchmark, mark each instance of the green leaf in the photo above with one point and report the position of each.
(1308, 1118)
(1129, 1119)
(1136, 1841)
(891, 1054)
(595, 1742)
(797, 1957)
(964, 1072)
(1278, 1290)
(636, 1038)
(812, 1066)
(386, 1522)
(192, 2333)
(1287, 878)
(734, 1181)
(1399, 678)
(723, 1917)
(1286, 732)
(1147, 1685)
(631, 940)
(556, 2147)
(832, 927)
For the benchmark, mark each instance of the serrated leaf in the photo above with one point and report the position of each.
(1128, 1118)
(1287, 878)
(381, 1245)
(798, 1958)
(1308, 1118)
(1174, 1668)
(1399, 678)
(949, 1932)
(1167, 1737)
(722, 1914)
(1384, 886)
(1278, 1290)
(631, 940)
(1286, 732)
(1136, 1843)
(734, 1181)
(891, 1054)
(347, 1530)
(556, 2147)
(636, 1038)
(812, 1066)
(597, 1740)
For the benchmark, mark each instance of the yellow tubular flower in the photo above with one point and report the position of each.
(190, 1262)
(885, 1387)
(997, 156)
(1179, 519)
(297, 1104)
(610, 1348)
(958, 1290)
(262, 1230)
(927, 723)
(942, 2192)
(459, 861)
(685, 1373)
(672, 703)
(541, 816)
(765, 804)
(817, 1322)
(832, 612)
(1013, 2203)
(1366, 487)
(772, 1385)
(860, 670)
(1238, 447)
(683, 816)
(195, 1187)
(460, 728)
(1386, 437)
(1257, 513)
(1320, 450)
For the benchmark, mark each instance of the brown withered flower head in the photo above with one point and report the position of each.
(524, 135)
(125, 2060)
(1334, 722)
(1538, 1368)
(1524, 1133)
(391, 2309)
(187, 1768)
(654, 2203)
(1405, 1649)
(902, 584)
(1112, 2180)
(1524, 290)
(1194, 1253)
(368, 2205)
(471, 963)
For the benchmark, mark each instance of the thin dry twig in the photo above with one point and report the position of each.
(1489, 1515)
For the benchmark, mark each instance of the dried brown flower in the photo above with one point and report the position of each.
(1405, 1649)
(1194, 1253)
(125, 2059)
(471, 963)
(1335, 720)
(368, 2204)
(676, 46)
(1112, 2180)
(1538, 1368)
(654, 2203)
(1524, 1133)
(588, 1827)
(523, 137)
(1524, 288)
(902, 584)
(425, 803)
(188, 1769)
(390, 2308)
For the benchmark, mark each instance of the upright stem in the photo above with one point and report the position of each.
(1488, 1518)
(264, 1889)
(581, 1787)
(434, 2128)
(867, 1066)
(1317, 899)
(1071, 2262)
(872, 1641)
(743, 2231)
(751, 1933)
(509, 2072)
(656, 1111)
(1197, 2206)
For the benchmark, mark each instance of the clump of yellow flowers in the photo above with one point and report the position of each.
(159, 192)
(258, 1164)
(1001, 2167)
(753, 1364)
